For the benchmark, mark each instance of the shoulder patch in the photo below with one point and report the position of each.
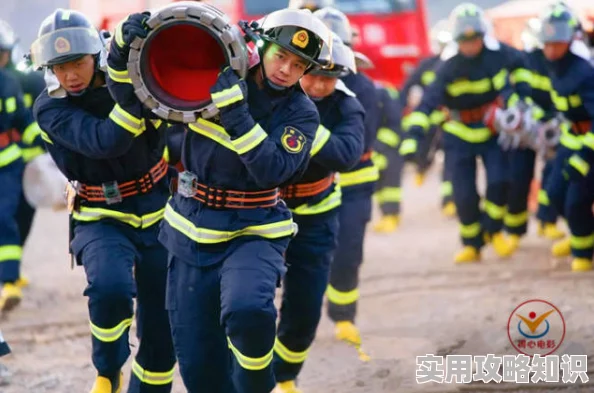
(293, 140)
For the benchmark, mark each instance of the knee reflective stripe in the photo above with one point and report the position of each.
(95, 214)
(289, 356)
(472, 135)
(515, 220)
(389, 195)
(582, 242)
(119, 76)
(31, 132)
(10, 253)
(250, 140)
(10, 155)
(322, 136)
(543, 198)
(379, 160)
(579, 164)
(388, 137)
(152, 377)
(332, 201)
(253, 364)
(415, 119)
(446, 188)
(494, 211)
(125, 120)
(273, 230)
(29, 153)
(470, 230)
(112, 334)
(342, 298)
(365, 175)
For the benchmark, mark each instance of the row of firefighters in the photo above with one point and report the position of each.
(202, 222)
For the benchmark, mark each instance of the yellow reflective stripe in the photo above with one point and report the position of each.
(582, 242)
(428, 77)
(437, 117)
(543, 198)
(389, 195)
(31, 132)
(379, 160)
(494, 211)
(227, 96)
(118, 34)
(472, 135)
(29, 153)
(250, 140)
(152, 377)
(569, 140)
(166, 154)
(501, 77)
(119, 76)
(287, 355)
(11, 253)
(470, 230)
(10, 104)
(157, 123)
(588, 141)
(110, 334)
(446, 188)
(273, 230)
(10, 155)
(330, 202)
(322, 136)
(365, 175)
(125, 120)
(521, 75)
(513, 100)
(46, 137)
(540, 82)
(27, 100)
(515, 220)
(249, 363)
(341, 298)
(575, 101)
(469, 87)
(408, 146)
(89, 214)
(212, 131)
(579, 164)
(415, 119)
(388, 137)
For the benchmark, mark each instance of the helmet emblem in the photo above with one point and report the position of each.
(469, 31)
(300, 39)
(62, 45)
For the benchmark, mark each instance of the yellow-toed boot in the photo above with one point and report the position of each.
(502, 245)
(449, 209)
(105, 385)
(561, 248)
(22, 282)
(347, 331)
(550, 231)
(286, 387)
(387, 224)
(581, 265)
(514, 240)
(419, 179)
(10, 297)
(468, 254)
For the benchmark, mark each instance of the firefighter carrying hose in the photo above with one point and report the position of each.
(473, 85)
(32, 84)
(358, 186)
(117, 195)
(314, 200)
(570, 187)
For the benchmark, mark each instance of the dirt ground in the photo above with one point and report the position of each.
(415, 301)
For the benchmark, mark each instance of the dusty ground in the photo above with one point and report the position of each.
(414, 302)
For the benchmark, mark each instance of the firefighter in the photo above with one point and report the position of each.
(314, 200)
(412, 93)
(358, 186)
(570, 187)
(473, 83)
(225, 227)
(119, 187)
(15, 120)
(32, 84)
(387, 159)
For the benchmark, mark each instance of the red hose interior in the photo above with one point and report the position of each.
(185, 61)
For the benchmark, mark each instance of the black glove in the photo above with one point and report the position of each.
(229, 94)
(134, 26)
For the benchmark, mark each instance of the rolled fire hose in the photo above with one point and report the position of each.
(508, 119)
(44, 184)
(174, 67)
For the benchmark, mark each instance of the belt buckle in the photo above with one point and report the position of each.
(111, 191)
(185, 184)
